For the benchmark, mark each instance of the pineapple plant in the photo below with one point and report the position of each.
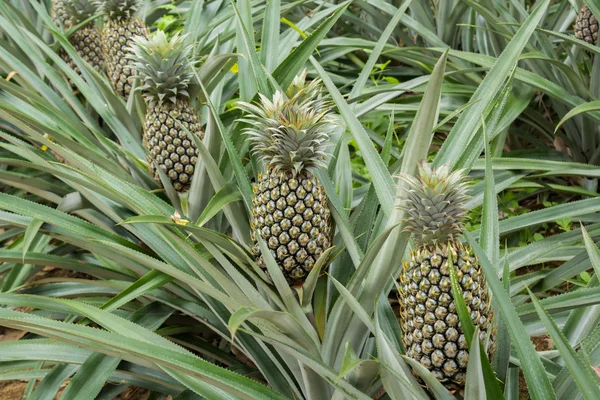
(166, 73)
(200, 322)
(289, 134)
(59, 14)
(120, 27)
(85, 40)
(586, 26)
(432, 332)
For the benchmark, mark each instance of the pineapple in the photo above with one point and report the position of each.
(290, 134)
(59, 14)
(432, 332)
(119, 29)
(165, 74)
(586, 26)
(85, 40)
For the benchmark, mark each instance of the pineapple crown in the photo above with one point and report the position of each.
(435, 205)
(163, 66)
(117, 9)
(291, 132)
(80, 10)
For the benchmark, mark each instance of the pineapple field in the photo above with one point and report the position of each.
(303, 200)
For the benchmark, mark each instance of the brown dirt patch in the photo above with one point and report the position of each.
(8, 334)
(12, 390)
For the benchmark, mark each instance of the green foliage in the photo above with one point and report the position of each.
(120, 281)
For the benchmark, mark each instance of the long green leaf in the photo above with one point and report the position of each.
(585, 377)
(295, 61)
(537, 381)
(469, 122)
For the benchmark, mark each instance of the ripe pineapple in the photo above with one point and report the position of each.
(165, 74)
(59, 14)
(586, 26)
(290, 134)
(432, 332)
(85, 40)
(119, 29)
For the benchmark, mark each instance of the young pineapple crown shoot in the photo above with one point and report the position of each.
(80, 10)
(117, 9)
(163, 67)
(291, 132)
(434, 205)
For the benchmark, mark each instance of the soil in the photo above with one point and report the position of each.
(12, 390)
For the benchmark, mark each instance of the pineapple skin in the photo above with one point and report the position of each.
(586, 26)
(168, 143)
(117, 36)
(291, 215)
(59, 14)
(433, 335)
(87, 43)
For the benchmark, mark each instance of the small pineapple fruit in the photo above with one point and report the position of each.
(59, 14)
(85, 40)
(165, 74)
(586, 26)
(290, 134)
(432, 332)
(119, 29)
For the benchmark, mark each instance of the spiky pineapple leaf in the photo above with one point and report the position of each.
(203, 389)
(317, 365)
(436, 387)
(286, 293)
(340, 217)
(585, 377)
(381, 261)
(389, 29)
(397, 378)
(295, 61)
(351, 362)
(151, 280)
(475, 387)
(227, 194)
(93, 373)
(309, 286)
(388, 322)
(269, 49)
(354, 304)
(286, 323)
(464, 315)
(381, 177)
(234, 212)
(469, 122)
(535, 375)
(30, 234)
(238, 168)
(489, 236)
(248, 49)
(52, 382)
(136, 350)
(583, 320)
(167, 185)
(592, 251)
